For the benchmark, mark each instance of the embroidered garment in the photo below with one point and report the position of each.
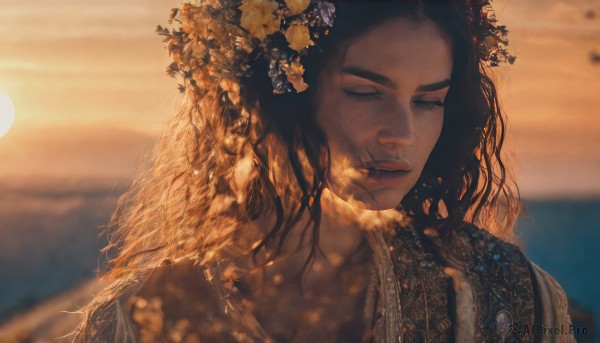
(413, 287)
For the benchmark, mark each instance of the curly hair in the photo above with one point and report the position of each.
(216, 169)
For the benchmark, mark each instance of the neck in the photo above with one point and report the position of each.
(341, 233)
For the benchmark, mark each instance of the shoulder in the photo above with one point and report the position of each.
(527, 280)
(552, 298)
(482, 247)
(544, 283)
(174, 299)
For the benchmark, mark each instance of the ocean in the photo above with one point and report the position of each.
(54, 246)
(563, 237)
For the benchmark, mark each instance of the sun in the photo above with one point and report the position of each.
(7, 114)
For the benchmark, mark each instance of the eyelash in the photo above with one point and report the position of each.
(429, 104)
(377, 95)
(367, 95)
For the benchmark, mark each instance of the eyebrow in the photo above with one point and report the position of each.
(385, 81)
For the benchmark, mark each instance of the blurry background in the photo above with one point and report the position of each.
(88, 85)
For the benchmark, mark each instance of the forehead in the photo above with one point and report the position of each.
(403, 50)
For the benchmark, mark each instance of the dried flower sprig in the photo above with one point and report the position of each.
(216, 40)
(490, 39)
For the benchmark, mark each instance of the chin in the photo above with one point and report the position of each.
(380, 200)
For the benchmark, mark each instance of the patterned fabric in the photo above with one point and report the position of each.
(468, 286)
(497, 272)
(424, 289)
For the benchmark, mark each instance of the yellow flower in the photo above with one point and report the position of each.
(298, 37)
(194, 50)
(294, 73)
(186, 10)
(258, 17)
(218, 30)
(194, 28)
(297, 6)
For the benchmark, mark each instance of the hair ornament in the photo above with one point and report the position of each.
(215, 41)
(491, 40)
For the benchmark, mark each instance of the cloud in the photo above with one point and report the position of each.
(71, 18)
(74, 151)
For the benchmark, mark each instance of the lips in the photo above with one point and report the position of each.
(389, 166)
(387, 172)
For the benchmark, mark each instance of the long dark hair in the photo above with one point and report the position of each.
(216, 168)
(465, 178)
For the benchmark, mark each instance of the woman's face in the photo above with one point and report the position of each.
(381, 107)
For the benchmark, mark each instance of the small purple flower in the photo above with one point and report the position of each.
(326, 12)
(280, 85)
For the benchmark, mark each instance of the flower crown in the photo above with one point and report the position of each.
(217, 39)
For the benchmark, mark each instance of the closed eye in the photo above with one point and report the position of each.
(430, 105)
(363, 95)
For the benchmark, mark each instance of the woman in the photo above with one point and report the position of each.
(335, 175)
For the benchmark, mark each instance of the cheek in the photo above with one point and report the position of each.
(436, 127)
(359, 119)
(344, 124)
(431, 130)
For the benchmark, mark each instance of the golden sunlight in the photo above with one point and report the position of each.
(7, 114)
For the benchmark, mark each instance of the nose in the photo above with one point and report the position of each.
(398, 130)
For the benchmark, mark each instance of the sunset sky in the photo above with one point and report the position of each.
(90, 91)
